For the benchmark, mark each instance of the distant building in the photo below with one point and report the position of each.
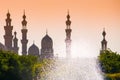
(103, 42)
(47, 47)
(11, 41)
(15, 44)
(68, 40)
(24, 40)
(8, 37)
(33, 50)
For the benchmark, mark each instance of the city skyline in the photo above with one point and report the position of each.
(87, 26)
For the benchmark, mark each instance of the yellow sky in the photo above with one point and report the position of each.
(88, 18)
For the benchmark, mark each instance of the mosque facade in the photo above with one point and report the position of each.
(11, 41)
(46, 51)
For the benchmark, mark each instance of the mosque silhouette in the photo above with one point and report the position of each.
(46, 51)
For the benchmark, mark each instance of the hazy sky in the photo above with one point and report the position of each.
(88, 17)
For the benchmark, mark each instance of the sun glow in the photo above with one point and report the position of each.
(82, 49)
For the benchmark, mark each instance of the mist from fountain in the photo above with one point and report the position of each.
(74, 69)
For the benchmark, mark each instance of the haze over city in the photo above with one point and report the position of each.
(88, 17)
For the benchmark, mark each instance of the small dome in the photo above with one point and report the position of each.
(33, 50)
(2, 47)
(46, 38)
(46, 42)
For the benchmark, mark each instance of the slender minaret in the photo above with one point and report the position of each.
(68, 37)
(8, 32)
(24, 40)
(104, 42)
(15, 43)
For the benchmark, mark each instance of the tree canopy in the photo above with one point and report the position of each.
(110, 64)
(15, 67)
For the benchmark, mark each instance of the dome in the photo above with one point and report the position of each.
(33, 50)
(2, 47)
(46, 38)
(46, 42)
(47, 47)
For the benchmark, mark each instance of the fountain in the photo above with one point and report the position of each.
(74, 69)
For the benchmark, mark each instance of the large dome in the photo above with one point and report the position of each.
(2, 47)
(46, 42)
(46, 47)
(33, 50)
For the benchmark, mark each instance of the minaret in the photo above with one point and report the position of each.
(24, 40)
(104, 42)
(68, 37)
(8, 32)
(15, 43)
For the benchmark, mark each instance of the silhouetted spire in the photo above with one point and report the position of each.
(68, 16)
(68, 22)
(68, 36)
(104, 42)
(8, 20)
(8, 32)
(8, 14)
(15, 42)
(24, 31)
(24, 17)
(15, 33)
(104, 33)
(24, 22)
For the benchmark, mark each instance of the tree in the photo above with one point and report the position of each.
(110, 64)
(15, 67)
(9, 66)
(27, 63)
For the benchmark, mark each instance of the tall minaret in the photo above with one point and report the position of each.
(8, 32)
(68, 37)
(24, 40)
(15, 43)
(104, 42)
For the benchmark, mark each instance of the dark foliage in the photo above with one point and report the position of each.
(110, 64)
(15, 67)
